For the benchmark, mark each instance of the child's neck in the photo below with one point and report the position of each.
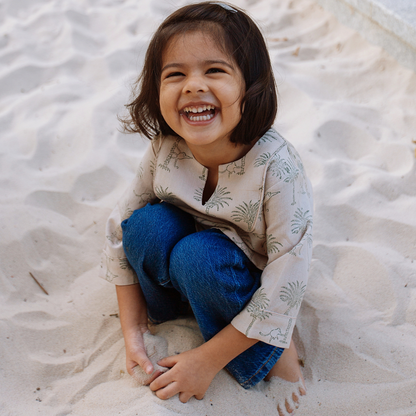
(212, 158)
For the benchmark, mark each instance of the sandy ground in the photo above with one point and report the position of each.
(65, 73)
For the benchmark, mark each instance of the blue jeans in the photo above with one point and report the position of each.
(178, 267)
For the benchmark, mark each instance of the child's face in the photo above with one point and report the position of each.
(201, 91)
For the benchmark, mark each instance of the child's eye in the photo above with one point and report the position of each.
(174, 74)
(214, 70)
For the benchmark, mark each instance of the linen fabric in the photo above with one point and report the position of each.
(262, 202)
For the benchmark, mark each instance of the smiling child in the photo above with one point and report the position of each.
(219, 217)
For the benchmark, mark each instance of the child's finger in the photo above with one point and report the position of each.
(144, 363)
(168, 361)
(168, 392)
(162, 381)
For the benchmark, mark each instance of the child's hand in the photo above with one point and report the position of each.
(190, 375)
(136, 351)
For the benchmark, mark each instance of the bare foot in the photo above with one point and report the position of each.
(286, 381)
(156, 349)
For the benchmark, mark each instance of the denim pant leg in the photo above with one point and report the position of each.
(218, 279)
(149, 236)
(174, 264)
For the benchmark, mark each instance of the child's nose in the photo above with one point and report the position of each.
(195, 84)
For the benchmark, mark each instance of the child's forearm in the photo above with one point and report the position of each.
(132, 307)
(226, 345)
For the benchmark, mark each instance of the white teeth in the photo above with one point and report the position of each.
(201, 118)
(198, 109)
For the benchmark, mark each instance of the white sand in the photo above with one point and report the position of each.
(65, 71)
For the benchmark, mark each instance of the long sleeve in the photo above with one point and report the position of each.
(114, 265)
(287, 209)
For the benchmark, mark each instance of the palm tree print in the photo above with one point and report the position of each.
(295, 156)
(292, 294)
(140, 171)
(301, 221)
(257, 307)
(246, 213)
(218, 199)
(267, 137)
(164, 195)
(126, 211)
(292, 176)
(308, 238)
(262, 160)
(272, 244)
(152, 168)
(278, 167)
(124, 264)
(198, 194)
(144, 198)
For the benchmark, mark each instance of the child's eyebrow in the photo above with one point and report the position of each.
(207, 62)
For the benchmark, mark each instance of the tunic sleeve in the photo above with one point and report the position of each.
(287, 208)
(114, 265)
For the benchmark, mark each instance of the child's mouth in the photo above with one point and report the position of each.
(199, 113)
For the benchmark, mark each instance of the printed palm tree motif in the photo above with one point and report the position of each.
(278, 167)
(295, 156)
(298, 247)
(292, 174)
(218, 199)
(292, 294)
(272, 244)
(140, 171)
(152, 168)
(144, 198)
(174, 154)
(246, 213)
(262, 159)
(124, 264)
(237, 167)
(257, 307)
(286, 170)
(277, 332)
(198, 194)
(267, 137)
(203, 176)
(165, 195)
(126, 211)
(301, 221)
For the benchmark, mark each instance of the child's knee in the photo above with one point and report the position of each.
(202, 259)
(157, 227)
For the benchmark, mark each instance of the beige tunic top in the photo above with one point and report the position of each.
(262, 202)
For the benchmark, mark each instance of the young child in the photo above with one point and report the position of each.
(219, 217)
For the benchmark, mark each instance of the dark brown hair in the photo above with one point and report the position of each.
(241, 39)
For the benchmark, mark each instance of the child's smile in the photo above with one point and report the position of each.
(199, 113)
(200, 95)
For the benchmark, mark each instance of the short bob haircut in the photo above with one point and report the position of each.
(240, 38)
